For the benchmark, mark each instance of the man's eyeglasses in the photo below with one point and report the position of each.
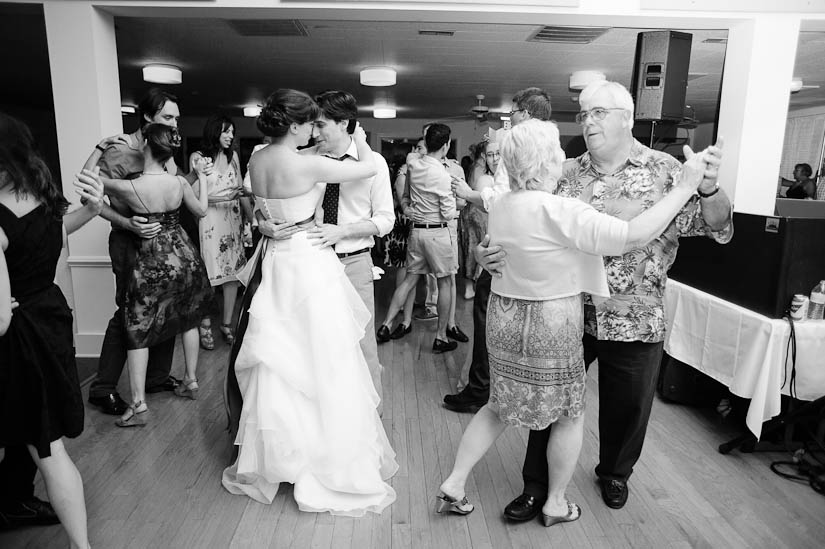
(598, 113)
(517, 110)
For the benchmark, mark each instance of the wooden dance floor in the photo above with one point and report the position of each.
(160, 486)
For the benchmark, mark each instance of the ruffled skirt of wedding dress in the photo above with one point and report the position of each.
(309, 407)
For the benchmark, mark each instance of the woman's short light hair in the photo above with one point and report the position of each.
(532, 154)
(618, 93)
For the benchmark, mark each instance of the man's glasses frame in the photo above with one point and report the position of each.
(515, 111)
(598, 113)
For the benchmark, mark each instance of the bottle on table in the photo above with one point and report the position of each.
(816, 308)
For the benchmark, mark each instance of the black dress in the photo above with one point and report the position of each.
(169, 291)
(40, 397)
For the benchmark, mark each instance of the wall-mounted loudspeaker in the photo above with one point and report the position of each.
(660, 74)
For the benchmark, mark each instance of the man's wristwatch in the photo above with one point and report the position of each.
(708, 195)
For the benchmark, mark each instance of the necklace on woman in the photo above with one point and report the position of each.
(152, 173)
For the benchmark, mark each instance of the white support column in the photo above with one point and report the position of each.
(83, 63)
(754, 108)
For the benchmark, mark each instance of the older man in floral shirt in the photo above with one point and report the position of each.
(621, 177)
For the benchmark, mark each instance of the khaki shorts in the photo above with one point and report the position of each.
(432, 251)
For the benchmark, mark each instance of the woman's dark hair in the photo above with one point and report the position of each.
(284, 107)
(805, 169)
(211, 142)
(152, 103)
(22, 167)
(162, 140)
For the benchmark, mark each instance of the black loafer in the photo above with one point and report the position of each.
(523, 508)
(168, 385)
(441, 346)
(456, 333)
(29, 512)
(614, 492)
(110, 404)
(400, 331)
(383, 334)
(463, 403)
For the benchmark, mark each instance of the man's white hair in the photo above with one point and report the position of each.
(618, 94)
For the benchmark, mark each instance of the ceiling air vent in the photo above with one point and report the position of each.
(569, 35)
(425, 32)
(268, 27)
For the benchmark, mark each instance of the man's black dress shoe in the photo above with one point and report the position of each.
(168, 385)
(29, 512)
(441, 346)
(614, 492)
(383, 334)
(110, 404)
(400, 331)
(456, 333)
(523, 508)
(463, 403)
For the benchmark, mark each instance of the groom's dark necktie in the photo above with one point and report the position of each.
(330, 201)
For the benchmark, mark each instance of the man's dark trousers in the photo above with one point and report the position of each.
(17, 472)
(122, 250)
(478, 380)
(627, 384)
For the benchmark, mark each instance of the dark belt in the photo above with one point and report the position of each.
(356, 252)
(429, 225)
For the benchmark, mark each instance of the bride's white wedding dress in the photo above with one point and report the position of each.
(309, 406)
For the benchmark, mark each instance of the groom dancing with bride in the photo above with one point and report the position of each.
(310, 406)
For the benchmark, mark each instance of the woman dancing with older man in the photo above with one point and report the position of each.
(535, 318)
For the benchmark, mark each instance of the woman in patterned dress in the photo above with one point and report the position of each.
(472, 224)
(535, 319)
(40, 400)
(168, 291)
(221, 229)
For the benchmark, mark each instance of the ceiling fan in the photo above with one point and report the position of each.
(798, 85)
(479, 111)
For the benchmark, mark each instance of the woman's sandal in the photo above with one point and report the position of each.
(134, 416)
(445, 503)
(188, 388)
(574, 512)
(228, 333)
(207, 341)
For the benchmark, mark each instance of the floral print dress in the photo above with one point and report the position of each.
(221, 230)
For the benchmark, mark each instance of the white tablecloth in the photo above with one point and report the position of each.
(744, 350)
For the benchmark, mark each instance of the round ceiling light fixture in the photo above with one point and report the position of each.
(383, 112)
(162, 74)
(378, 76)
(127, 109)
(580, 79)
(252, 111)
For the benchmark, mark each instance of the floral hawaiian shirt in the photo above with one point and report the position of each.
(635, 310)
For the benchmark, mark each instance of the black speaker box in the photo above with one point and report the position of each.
(683, 384)
(768, 260)
(660, 74)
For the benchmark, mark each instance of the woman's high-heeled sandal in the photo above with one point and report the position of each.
(205, 333)
(134, 416)
(188, 388)
(445, 503)
(228, 333)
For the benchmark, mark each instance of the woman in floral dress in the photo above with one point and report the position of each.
(535, 319)
(221, 229)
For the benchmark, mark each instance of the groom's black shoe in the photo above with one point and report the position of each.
(523, 508)
(442, 346)
(383, 334)
(463, 402)
(110, 404)
(400, 331)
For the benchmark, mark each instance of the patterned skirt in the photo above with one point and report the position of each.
(395, 243)
(536, 360)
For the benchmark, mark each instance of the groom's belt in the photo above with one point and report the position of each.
(429, 225)
(356, 252)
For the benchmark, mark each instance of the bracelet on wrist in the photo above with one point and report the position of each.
(708, 195)
(101, 149)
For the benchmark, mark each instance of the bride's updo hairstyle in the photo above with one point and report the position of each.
(532, 154)
(162, 140)
(283, 108)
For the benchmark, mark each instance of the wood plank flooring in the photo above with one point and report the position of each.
(160, 486)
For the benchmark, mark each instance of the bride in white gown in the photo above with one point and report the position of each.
(309, 406)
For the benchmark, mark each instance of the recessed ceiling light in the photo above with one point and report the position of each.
(383, 112)
(127, 109)
(162, 74)
(251, 111)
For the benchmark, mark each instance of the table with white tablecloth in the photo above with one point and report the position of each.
(745, 350)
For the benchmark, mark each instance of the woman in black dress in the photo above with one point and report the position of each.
(169, 292)
(40, 399)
